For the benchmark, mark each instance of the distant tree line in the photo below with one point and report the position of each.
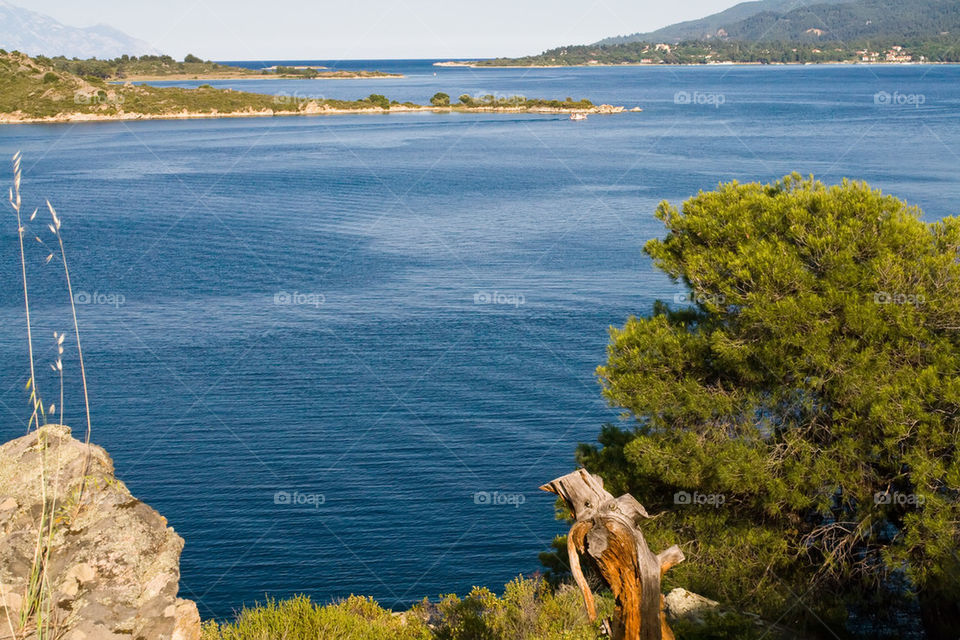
(942, 49)
(127, 65)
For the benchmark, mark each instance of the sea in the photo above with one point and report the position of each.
(340, 354)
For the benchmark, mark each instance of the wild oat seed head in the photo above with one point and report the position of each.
(53, 213)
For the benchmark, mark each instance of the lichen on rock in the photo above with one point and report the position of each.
(113, 564)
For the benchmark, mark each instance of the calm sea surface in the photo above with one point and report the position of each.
(283, 305)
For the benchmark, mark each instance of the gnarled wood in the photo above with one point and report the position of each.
(608, 530)
(575, 546)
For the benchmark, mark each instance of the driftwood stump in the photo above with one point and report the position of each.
(608, 530)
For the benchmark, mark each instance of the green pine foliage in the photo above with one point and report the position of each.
(812, 390)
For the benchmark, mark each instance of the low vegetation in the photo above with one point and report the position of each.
(152, 66)
(527, 610)
(940, 49)
(31, 89)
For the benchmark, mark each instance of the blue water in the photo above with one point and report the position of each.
(387, 390)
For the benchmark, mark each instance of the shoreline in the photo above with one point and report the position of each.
(180, 77)
(7, 119)
(690, 64)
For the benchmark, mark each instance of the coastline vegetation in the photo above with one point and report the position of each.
(797, 416)
(527, 610)
(938, 50)
(33, 90)
(132, 68)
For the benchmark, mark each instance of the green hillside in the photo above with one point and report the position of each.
(912, 21)
(842, 31)
(33, 89)
(708, 27)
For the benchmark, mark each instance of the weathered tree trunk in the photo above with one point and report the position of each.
(607, 529)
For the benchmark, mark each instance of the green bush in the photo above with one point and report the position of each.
(528, 610)
(809, 379)
(440, 99)
(379, 100)
(355, 618)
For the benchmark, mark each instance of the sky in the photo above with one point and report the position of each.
(358, 29)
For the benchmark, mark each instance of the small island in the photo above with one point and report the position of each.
(33, 90)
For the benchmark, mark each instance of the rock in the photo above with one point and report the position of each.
(636, 110)
(609, 108)
(686, 605)
(187, 620)
(113, 567)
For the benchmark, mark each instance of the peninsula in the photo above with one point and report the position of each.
(719, 52)
(32, 90)
(162, 67)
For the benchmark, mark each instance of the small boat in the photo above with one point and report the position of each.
(578, 116)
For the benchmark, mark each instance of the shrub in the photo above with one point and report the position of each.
(528, 610)
(355, 618)
(809, 380)
(379, 100)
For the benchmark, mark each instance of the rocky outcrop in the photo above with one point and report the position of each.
(109, 563)
(681, 604)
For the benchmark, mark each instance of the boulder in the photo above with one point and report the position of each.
(681, 604)
(111, 563)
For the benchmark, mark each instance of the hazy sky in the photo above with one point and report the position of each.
(345, 29)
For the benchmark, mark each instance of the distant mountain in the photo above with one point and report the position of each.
(824, 21)
(712, 25)
(854, 21)
(38, 34)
